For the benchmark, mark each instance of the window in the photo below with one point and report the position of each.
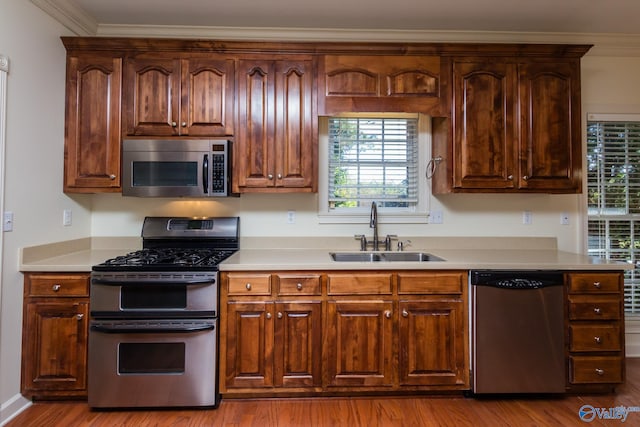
(374, 158)
(613, 190)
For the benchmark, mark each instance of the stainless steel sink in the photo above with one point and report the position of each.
(383, 257)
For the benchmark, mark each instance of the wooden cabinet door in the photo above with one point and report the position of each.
(152, 96)
(207, 97)
(432, 342)
(485, 139)
(92, 131)
(298, 344)
(359, 343)
(550, 126)
(55, 347)
(275, 144)
(249, 351)
(294, 125)
(254, 151)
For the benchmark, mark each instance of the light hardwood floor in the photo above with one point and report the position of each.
(354, 412)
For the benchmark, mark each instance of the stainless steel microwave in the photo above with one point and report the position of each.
(176, 168)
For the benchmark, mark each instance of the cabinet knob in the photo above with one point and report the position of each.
(270, 176)
(56, 287)
(405, 313)
(268, 315)
(526, 177)
(599, 371)
(279, 176)
(299, 286)
(597, 310)
(174, 124)
(79, 316)
(112, 177)
(279, 315)
(596, 285)
(248, 286)
(387, 314)
(184, 124)
(510, 177)
(598, 340)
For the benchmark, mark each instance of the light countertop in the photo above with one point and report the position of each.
(459, 253)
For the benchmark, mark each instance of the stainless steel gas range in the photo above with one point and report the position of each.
(153, 337)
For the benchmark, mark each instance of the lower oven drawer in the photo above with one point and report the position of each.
(152, 363)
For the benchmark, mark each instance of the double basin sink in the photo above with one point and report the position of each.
(383, 257)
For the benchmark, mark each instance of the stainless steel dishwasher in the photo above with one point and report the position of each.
(517, 332)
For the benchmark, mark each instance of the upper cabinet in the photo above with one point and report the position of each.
(514, 126)
(175, 95)
(92, 123)
(276, 140)
(382, 83)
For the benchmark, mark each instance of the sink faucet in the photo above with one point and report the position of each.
(373, 223)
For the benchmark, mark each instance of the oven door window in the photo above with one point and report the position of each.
(165, 174)
(147, 297)
(151, 358)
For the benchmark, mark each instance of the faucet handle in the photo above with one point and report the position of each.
(387, 241)
(402, 244)
(363, 241)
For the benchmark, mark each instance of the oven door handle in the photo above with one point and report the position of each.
(118, 282)
(151, 329)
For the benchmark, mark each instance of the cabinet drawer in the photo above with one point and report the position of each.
(595, 338)
(586, 369)
(431, 283)
(594, 282)
(588, 307)
(298, 284)
(57, 285)
(249, 284)
(357, 283)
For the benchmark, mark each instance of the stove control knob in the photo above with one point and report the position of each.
(56, 287)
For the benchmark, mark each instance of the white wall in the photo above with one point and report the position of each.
(35, 133)
(33, 172)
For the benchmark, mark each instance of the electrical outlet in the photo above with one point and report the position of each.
(7, 221)
(435, 217)
(66, 217)
(527, 218)
(291, 217)
(564, 218)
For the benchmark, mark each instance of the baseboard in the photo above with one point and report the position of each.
(12, 407)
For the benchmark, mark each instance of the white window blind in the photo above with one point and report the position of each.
(373, 159)
(613, 186)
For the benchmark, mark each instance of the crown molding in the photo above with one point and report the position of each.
(70, 15)
(82, 24)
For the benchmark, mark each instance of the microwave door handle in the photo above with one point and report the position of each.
(205, 174)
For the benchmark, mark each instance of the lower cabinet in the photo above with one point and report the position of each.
(55, 329)
(343, 332)
(595, 330)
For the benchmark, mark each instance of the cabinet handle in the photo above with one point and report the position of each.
(387, 314)
(405, 313)
(599, 371)
(268, 315)
(184, 124)
(598, 340)
(510, 177)
(596, 284)
(174, 124)
(279, 176)
(79, 316)
(270, 176)
(112, 177)
(248, 286)
(56, 287)
(279, 315)
(597, 310)
(526, 177)
(299, 286)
